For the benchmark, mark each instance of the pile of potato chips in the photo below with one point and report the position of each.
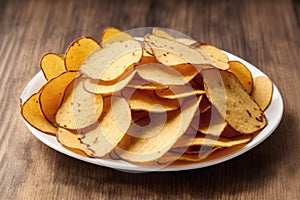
(157, 98)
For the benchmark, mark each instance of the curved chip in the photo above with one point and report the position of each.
(111, 35)
(32, 113)
(78, 51)
(171, 52)
(232, 101)
(162, 34)
(219, 59)
(79, 108)
(145, 85)
(151, 148)
(242, 73)
(262, 91)
(186, 41)
(52, 94)
(112, 61)
(52, 65)
(148, 101)
(112, 126)
(164, 75)
(103, 87)
(70, 138)
(176, 92)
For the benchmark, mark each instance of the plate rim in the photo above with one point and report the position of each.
(129, 167)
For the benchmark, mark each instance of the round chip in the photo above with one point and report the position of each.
(112, 61)
(52, 65)
(111, 35)
(242, 73)
(262, 91)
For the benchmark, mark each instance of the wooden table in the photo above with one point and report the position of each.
(265, 33)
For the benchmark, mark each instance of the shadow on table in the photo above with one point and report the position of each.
(245, 173)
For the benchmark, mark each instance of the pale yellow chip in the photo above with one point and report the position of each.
(148, 149)
(186, 41)
(113, 125)
(111, 35)
(227, 94)
(52, 65)
(53, 92)
(79, 108)
(171, 52)
(162, 34)
(108, 87)
(262, 91)
(145, 85)
(164, 75)
(242, 73)
(70, 139)
(176, 92)
(219, 59)
(112, 61)
(78, 51)
(32, 113)
(148, 101)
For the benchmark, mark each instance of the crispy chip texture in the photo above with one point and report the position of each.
(242, 73)
(52, 65)
(262, 91)
(111, 35)
(112, 61)
(78, 51)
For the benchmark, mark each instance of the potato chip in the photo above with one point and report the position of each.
(232, 101)
(112, 126)
(177, 154)
(79, 108)
(262, 91)
(32, 113)
(52, 65)
(186, 41)
(111, 35)
(151, 148)
(108, 87)
(164, 75)
(145, 85)
(171, 52)
(78, 51)
(205, 140)
(219, 59)
(148, 101)
(211, 122)
(176, 92)
(112, 61)
(242, 73)
(70, 138)
(162, 34)
(52, 94)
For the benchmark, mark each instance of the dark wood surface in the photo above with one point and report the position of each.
(265, 33)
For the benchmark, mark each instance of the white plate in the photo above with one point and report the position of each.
(273, 114)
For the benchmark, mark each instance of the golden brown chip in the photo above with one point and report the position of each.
(32, 113)
(242, 73)
(111, 35)
(52, 94)
(108, 87)
(78, 51)
(220, 59)
(52, 65)
(70, 138)
(112, 61)
(148, 101)
(262, 91)
(227, 94)
(79, 108)
(147, 149)
(112, 126)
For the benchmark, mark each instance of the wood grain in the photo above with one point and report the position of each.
(265, 33)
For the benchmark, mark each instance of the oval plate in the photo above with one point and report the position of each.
(273, 114)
